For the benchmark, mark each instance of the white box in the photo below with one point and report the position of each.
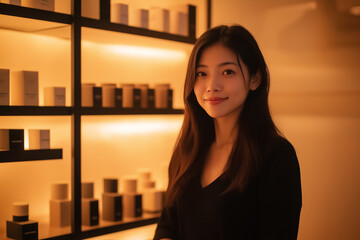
(90, 8)
(39, 4)
(60, 213)
(139, 18)
(179, 20)
(4, 86)
(119, 13)
(39, 139)
(87, 95)
(159, 19)
(24, 88)
(13, 2)
(54, 96)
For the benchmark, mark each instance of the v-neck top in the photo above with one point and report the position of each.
(268, 209)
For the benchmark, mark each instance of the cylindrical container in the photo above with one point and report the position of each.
(161, 95)
(128, 95)
(59, 191)
(20, 211)
(144, 94)
(87, 190)
(87, 96)
(108, 94)
(129, 185)
(110, 185)
(152, 200)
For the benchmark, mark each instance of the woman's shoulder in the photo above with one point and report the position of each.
(279, 149)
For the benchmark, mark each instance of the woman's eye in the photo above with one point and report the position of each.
(200, 74)
(228, 72)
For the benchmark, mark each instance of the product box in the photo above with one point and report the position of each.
(151, 98)
(137, 98)
(39, 139)
(159, 19)
(132, 205)
(90, 211)
(119, 13)
(54, 96)
(48, 5)
(97, 97)
(24, 88)
(27, 230)
(170, 98)
(4, 86)
(11, 139)
(118, 98)
(13, 2)
(90, 8)
(87, 95)
(179, 20)
(139, 18)
(60, 213)
(112, 207)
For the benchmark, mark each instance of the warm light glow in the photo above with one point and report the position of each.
(355, 10)
(139, 51)
(134, 126)
(147, 52)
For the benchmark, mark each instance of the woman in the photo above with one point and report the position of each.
(232, 175)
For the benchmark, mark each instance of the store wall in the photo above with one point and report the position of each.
(313, 56)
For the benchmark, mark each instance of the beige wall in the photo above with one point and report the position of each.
(315, 99)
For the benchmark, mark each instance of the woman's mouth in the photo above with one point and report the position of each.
(215, 100)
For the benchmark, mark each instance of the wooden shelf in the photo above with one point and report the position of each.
(34, 111)
(128, 111)
(30, 155)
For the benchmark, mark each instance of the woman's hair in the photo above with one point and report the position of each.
(197, 133)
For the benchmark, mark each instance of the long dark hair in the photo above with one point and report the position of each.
(255, 124)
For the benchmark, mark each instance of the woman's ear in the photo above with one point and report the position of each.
(255, 81)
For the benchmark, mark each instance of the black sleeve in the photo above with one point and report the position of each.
(168, 224)
(280, 195)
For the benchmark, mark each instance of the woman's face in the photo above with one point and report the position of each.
(220, 87)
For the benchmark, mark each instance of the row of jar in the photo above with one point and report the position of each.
(13, 139)
(127, 96)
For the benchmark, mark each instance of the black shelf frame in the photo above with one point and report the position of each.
(76, 111)
(32, 13)
(34, 111)
(105, 24)
(30, 155)
(128, 111)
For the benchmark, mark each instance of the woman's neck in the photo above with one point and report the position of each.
(225, 131)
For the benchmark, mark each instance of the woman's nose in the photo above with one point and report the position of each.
(214, 84)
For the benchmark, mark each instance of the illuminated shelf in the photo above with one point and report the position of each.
(115, 27)
(34, 111)
(128, 111)
(30, 155)
(106, 227)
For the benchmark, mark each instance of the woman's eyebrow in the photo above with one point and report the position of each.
(220, 64)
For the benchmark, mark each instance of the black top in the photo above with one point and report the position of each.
(268, 209)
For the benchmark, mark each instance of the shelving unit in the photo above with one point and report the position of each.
(30, 155)
(39, 21)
